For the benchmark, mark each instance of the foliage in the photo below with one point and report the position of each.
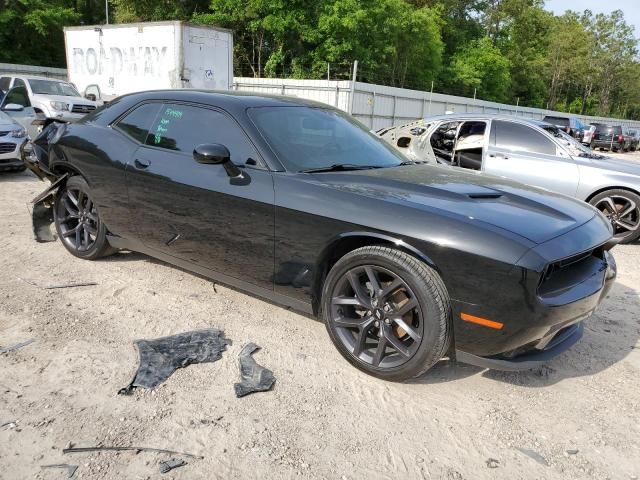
(482, 67)
(504, 50)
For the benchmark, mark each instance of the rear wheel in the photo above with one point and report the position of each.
(386, 312)
(78, 223)
(622, 208)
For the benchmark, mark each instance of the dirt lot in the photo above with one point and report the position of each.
(578, 418)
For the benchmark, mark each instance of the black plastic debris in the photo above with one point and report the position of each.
(169, 465)
(161, 357)
(254, 377)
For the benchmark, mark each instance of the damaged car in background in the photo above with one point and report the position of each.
(298, 203)
(528, 151)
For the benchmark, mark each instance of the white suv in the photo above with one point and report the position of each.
(53, 98)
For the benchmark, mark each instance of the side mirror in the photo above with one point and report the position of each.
(216, 154)
(13, 107)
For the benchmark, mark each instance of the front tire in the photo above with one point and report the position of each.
(387, 313)
(78, 223)
(622, 208)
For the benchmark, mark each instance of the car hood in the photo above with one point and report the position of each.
(617, 165)
(535, 214)
(7, 123)
(64, 98)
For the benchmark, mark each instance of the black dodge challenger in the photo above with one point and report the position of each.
(298, 203)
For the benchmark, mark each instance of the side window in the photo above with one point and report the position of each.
(18, 96)
(18, 82)
(4, 83)
(138, 122)
(518, 137)
(183, 127)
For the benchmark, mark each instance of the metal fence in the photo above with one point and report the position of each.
(14, 69)
(378, 106)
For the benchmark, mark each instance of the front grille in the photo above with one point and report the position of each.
(565, 272)
(3, 132)
(7, 147)
(83, 108)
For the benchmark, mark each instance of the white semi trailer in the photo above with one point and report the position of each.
(133, 57)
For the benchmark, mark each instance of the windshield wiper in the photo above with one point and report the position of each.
(339, 167)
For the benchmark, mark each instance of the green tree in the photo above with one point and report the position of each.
(269, 36)
(482, 67)
(568, 61)
(31, 31)
(394, 43)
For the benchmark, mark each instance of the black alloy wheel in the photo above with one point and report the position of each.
(387, 312)
(377, 316)
(78, 223)
(622, 209)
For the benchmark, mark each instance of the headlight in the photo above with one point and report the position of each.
(60, 106)
(19, 133)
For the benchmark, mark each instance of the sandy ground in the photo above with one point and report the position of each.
(578, 418)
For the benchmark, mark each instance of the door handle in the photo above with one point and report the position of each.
(498, 155)
(141, 164)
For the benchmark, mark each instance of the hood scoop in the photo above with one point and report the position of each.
(484, 196)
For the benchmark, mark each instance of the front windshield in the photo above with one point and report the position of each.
(306, 138)
(573, 145)
(53, 87)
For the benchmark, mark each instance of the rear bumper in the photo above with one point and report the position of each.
(606, 144)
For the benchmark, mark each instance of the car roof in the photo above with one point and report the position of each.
(224, 98)
(35, 77)
(485, 116)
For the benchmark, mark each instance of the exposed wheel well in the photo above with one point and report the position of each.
(597, 192)
(339, 249)
(62, 168)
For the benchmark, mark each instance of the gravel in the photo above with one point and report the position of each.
(322, 420)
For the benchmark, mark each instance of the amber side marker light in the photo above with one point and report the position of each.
(481, 321)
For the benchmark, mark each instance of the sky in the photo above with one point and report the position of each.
(630, 8)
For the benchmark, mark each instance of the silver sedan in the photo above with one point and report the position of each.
(529, 151)
(12, 136)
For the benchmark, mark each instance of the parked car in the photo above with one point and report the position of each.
(297, 202)
(12, 136)
(572, 125)
(53, 98)
(16, 105)
(611, 137)
(635, 139)
(526, 151)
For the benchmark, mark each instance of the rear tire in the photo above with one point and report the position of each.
(387, 313)
(622, 208)
(78, 222)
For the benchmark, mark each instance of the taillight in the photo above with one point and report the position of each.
(620, 138)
